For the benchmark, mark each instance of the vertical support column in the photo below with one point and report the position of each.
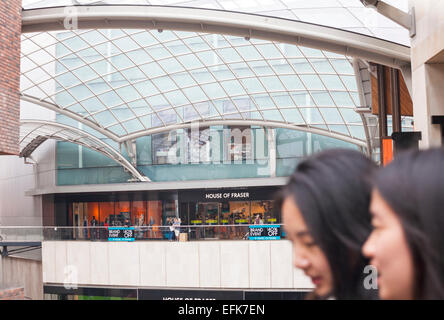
(382, 112)
(10, 32)
(396, 100)
(272, 151)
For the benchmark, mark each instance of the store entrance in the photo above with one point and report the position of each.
(208, 214)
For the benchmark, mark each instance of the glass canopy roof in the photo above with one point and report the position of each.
(348, 15)
(127, 82)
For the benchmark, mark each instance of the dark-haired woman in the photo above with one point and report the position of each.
(325, 213)
(407, 243)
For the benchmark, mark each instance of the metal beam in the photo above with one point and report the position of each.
(260, 123)
(70, 114)
(110, 152)
(382, 108)
(396, 100)
(219, 22)
(363, 104)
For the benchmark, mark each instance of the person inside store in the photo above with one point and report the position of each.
(85, 228)
(93, 225)
(325, 211)
(101, 230)
(407, 242)
(106, 225)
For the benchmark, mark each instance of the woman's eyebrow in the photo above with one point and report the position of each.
(302, 233)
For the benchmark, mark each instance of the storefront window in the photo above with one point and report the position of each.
(214, 214)
(262, 213)
(154, 218)
(122, 214)
(138, 212)
(106, 210)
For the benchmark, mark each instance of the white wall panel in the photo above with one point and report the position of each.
(209, 264)
(182, 264)
(99, 270)
(78, 260)
(124, 263)
(260, 264)
(234, 264)
(152, 263)
(48, 261)
(281, 264)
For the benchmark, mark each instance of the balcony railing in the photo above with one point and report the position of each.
(9, 234)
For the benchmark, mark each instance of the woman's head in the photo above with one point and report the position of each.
(407, 242)
(325, 212)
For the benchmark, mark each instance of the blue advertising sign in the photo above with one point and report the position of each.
(265, 232)
(120, 234)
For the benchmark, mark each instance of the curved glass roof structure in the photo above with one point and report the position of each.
(348, 15)
(111, 84)
(130, 83)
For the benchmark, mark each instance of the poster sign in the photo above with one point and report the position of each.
(120, 234)
(265, 232)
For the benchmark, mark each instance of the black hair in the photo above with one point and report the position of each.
(413, 186)
(332, 190)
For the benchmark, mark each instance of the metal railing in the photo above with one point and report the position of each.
(139, 233)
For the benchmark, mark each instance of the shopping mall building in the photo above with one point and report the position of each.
(133, 113)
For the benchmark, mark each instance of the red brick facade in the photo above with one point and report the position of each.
(10, 31)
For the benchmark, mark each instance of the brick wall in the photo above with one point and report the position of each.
(10, 31)
(12, 294)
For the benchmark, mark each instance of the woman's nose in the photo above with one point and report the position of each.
(368, 248)
(300, 260)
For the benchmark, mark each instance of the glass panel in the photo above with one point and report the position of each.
(190, 61)
(311, 115)
(269, 51)
(214, 90)
(272, 115)
(195, 94)
(322, 99)
(293, 116)
(292, 82)
(249, 53)
(105, 118)
(176, 98)
(272, 84)
(253, 85)
(229, 55)
(233, 87)
(342, 99)
(332, 82)
(152, 70)
(165, 84)
(312, 82)
(350, 82)
(241, 70)
(350, 115)
(331, 115)
(301, 66)
(342, 66)
(322, 65)
(171, 65)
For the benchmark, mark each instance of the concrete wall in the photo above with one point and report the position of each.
(16, 177)
(24, 273)
(206, 264)
(428, 69)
